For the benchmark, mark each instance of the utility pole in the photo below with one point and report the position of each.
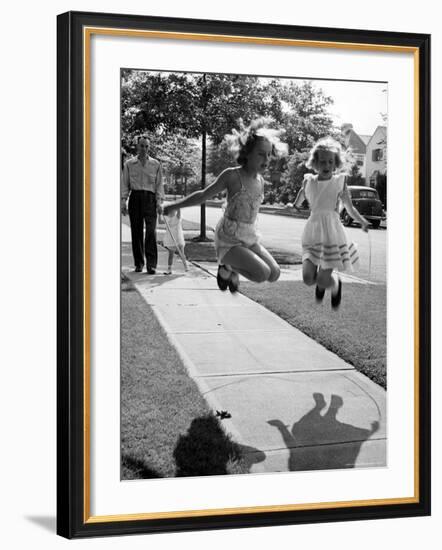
(202, 237)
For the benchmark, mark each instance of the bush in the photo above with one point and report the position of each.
(269, 197)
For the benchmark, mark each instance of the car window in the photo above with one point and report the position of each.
(364, 193)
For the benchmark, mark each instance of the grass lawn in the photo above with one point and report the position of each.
(167, 428)
(356, 332)
(205, 252)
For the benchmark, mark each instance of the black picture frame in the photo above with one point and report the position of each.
(73, 520)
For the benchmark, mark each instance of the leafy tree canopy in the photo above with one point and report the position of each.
(175, 109)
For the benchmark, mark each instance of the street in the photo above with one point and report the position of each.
(284, 233)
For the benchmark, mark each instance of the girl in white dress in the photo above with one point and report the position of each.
(174, 238)
(325, 247)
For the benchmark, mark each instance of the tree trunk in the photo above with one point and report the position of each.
(202, 236)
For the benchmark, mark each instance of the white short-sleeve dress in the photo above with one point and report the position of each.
(177, 231)
(324, 240)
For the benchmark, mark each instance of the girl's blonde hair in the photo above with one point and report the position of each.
(243, 141)
(326, 144)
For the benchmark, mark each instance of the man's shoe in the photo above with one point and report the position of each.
(336, 298)
(222, 283)
(138, 269)
(150, 270)
(319, 294)
(234, 282)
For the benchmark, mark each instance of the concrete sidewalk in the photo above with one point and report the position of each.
(294, 405)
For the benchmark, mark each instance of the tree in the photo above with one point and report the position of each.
(305, 118)
(355, 177)
(196, 106)
(305, 115)
(180, 157)
(208, 106)
(220, 157)
(293, 176)
(155, 102)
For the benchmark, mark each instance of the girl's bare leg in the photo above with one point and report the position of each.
(170, 260)
(309, 272)
(327, 279)
(265, 255)
(247, 263)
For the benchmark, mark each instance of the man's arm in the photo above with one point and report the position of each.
(159, 188)
(125, 188)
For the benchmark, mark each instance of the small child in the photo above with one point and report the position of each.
(237, 240)
(174, 239)
(325, 246)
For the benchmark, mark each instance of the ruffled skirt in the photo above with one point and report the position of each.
(325, 244)
(230, 233)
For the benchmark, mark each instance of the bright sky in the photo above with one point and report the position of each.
(360, 103)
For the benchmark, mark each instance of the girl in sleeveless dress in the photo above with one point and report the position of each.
(325, 246)
(237, 240)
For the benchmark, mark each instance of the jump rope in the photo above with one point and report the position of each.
(369, 254)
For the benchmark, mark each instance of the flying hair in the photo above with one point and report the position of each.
(242, 142)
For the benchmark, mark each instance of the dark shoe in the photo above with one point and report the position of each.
(150, 270)
(319, 294)
(222, 283)
(138, 269)
(234, 282)
(336, 298)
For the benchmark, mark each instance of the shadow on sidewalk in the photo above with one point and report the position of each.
(206, 449)
(321, 442)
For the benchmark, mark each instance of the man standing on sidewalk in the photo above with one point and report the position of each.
(143, 184)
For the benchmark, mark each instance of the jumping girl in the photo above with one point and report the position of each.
(237, 240)
(325, 247)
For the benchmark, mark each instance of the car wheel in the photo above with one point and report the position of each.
(347, 220)
(376, 224)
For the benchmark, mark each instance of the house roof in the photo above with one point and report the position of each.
(365, 139)
(356, 143)
(375, 132)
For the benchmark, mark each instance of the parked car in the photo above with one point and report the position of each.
(368, 204)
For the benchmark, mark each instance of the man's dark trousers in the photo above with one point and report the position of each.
(143, 210)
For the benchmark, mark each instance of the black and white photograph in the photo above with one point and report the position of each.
(218, 315)
(243, 274)
(254, 226)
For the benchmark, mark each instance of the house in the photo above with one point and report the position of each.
(376, 163)
(371, 156)
(376, 175)
(358, 145)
